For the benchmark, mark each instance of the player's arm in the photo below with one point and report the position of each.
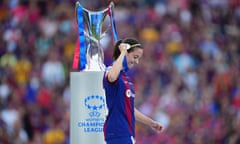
(118, 64)
(147, 120)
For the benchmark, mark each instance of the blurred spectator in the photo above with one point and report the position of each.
(22, 70)
(53, 70)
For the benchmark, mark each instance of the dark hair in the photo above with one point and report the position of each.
(131, 41)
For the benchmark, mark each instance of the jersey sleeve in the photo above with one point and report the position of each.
(106, 76)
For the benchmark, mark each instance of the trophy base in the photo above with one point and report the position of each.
(95, 66)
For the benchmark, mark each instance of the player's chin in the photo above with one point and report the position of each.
(131, 66)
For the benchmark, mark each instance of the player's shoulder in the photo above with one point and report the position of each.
(108, 69)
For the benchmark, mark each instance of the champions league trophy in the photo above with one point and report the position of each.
(87, 110)
(90, 25)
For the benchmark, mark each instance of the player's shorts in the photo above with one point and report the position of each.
(122, 140)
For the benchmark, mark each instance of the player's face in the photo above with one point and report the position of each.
(134, 57)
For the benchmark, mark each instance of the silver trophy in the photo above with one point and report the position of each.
(90, 25)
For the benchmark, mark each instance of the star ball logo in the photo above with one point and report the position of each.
(94, 122)
(94, 103)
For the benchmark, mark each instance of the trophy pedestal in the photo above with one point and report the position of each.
(87, 110)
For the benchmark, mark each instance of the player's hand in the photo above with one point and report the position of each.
(123, 47)
(156, 126)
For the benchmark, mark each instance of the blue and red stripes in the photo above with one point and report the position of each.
(114, 29)
(128, 99)
(79, 60)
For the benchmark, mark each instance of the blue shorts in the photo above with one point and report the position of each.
(123, 140)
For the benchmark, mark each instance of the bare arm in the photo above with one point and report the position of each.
(148, 121)
(117, 66)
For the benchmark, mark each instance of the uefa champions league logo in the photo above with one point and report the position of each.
(94, 103)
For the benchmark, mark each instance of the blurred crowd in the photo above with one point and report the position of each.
(188, 78)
